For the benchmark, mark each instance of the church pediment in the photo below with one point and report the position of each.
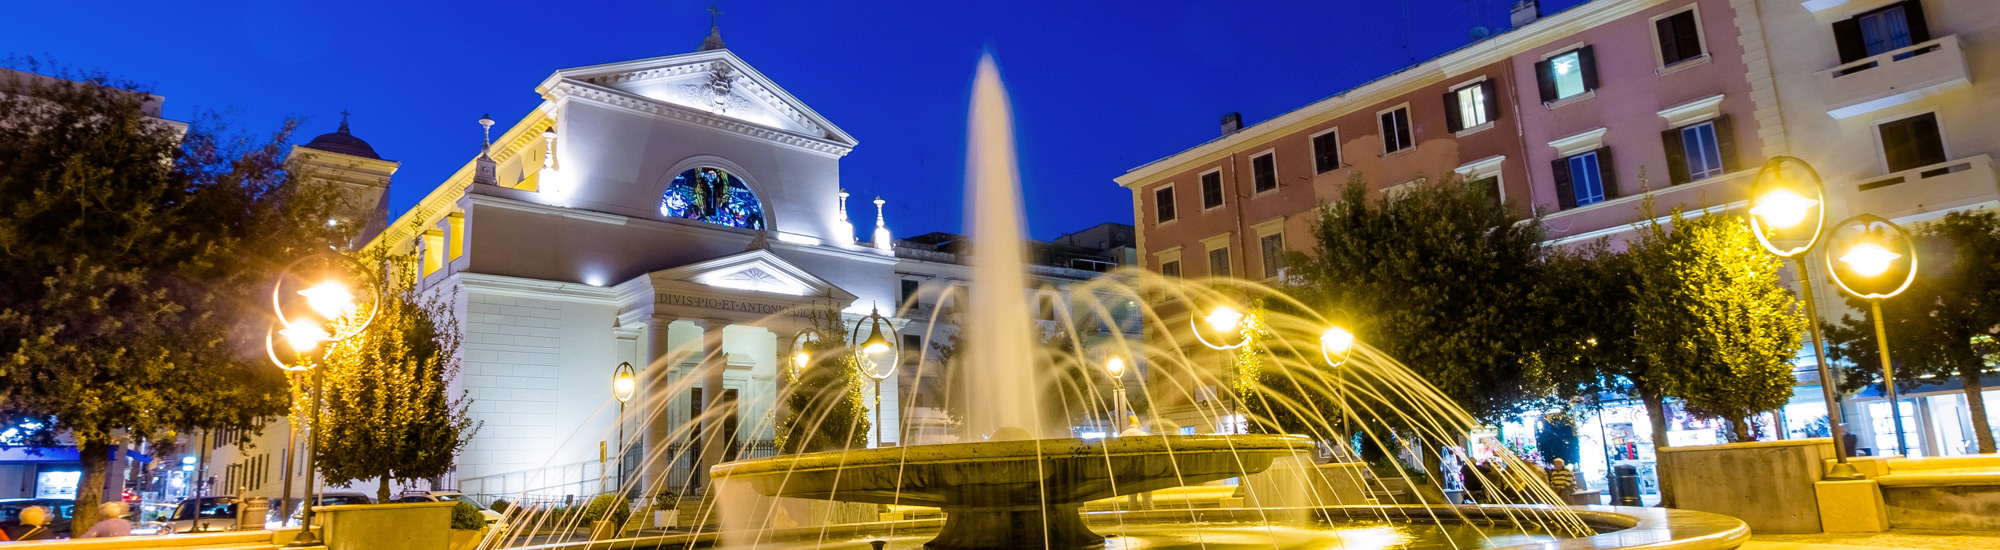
(757, 271)
(716, 83)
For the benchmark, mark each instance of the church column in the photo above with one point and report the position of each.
(715, 360)
(655, 385)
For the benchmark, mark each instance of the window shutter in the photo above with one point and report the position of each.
(1547, 81)
(1565, 192)
(1913, 14)
(1725, 142)
(1486, 89)
(1587, 62)
(1928, 143)
(1607, 173)
(1847, 38)
(1670, 48)
(1677, 158)
(1688, 35)
(1452, 121)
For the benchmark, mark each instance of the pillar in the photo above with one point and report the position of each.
(652, 405)
(714, 360)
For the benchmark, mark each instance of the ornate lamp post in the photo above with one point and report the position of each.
(870, 354)
(1115, 366)
(1788, 205)
(335, 306)
(624, 383)
(1877, 260)
(1223, 321)
(1336, 345)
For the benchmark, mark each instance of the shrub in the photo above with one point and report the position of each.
(501, 506)
(466, 517)
(612, 507)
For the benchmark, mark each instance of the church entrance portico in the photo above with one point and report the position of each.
(709, 380)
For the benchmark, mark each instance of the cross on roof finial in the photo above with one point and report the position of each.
(714, 14)
(343, 120)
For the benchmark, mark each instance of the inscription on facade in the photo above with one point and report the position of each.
(718, 303)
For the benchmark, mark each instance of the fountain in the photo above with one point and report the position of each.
(1021, 489)
(1016, 491)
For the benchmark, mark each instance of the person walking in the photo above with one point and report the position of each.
(114, 523)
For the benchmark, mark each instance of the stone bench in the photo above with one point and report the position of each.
(1952, 492)
(1942, 471)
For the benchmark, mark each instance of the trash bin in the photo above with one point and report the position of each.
(1625, 485)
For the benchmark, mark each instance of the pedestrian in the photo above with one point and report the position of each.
(1561, 479)
(34, 525)
(114, 523)
(1475, 485)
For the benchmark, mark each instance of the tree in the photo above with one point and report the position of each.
(387, 409)
(1437, 276)
(1715, 327)
(825, 409)
(132, 260)
(1934, 324)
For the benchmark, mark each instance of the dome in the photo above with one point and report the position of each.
(340, 141)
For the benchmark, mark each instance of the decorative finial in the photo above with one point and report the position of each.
(878, 211)
(714, 40)
(343, 121)
(487, 121)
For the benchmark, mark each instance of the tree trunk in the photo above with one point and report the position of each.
(96, 458)
(1656, 412)
(1739, 430)
(1975, 403)
(382, 490)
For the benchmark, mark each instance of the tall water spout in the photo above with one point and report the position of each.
(997, 336)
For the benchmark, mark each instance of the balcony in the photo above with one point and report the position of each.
(1954, 184)
(1893, 78)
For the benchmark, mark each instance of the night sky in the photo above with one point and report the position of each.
(1098, 87)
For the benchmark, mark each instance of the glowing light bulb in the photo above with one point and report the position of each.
(331, 299)
(802, 359)
(875, 348)
(1868, 259)
(1116, 366)
(304, 335)
(1224, 318)
(622, 387)
(1337, 340)
(1782, 208)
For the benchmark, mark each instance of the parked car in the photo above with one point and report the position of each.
(450, 496)
(214, 514)
(60, 512)
(323, 499)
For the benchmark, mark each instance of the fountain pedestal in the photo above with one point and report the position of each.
(1012, 494)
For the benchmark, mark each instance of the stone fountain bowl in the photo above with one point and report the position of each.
(1012, 494)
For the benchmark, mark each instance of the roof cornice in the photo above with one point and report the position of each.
(576, 90)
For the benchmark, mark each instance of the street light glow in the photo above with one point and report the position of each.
(330, 298)
(1116, 366)
(1869, 259)
(1782, 208)
(1224, 318)
(622, 387)
(801, 359)
(305, 334)
(1335, 345)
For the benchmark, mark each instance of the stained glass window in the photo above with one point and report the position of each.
(712, 195)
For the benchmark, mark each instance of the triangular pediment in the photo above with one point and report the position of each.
(714, 82)
(754, 271)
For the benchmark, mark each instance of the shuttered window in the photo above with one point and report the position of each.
(1584, 178)
(1881, 30)
(1700, 150)
(1326, 152)
(1471, 105)
(1568, 74)
(1396, 130)
(1680, 38)
(1912, 142)
(1211, 190)
(1218, 262)
(1163, 205)
(1273, 248)
(1264, 172)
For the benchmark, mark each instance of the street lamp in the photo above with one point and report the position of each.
(1115, 366)
(624, 383)
(335, 306)
(1336, 345)
(1787, 194)
(1222, 320)
(866, 357)
(1877, 261)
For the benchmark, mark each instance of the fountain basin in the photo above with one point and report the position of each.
(1012, 494)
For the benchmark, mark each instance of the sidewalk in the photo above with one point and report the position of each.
(1895, 538)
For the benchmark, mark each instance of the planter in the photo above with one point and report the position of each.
(466, 539)
(404, 526)
(603, 529)
(666, 518)
(1769, 485)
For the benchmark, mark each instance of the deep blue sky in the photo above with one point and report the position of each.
(1098, 87)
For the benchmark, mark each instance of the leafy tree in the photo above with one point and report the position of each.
(1715, 327)
(133, 258)
(1438, 276)
(387, 409)
(825, 409)
(1934, 326)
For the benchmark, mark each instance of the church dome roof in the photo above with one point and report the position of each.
(340, 141)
